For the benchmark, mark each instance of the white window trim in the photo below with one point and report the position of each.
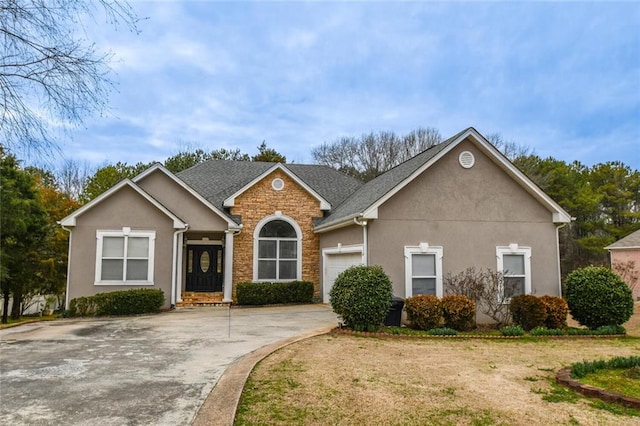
(423, 248)
(515, 249)
(256, 237)
(125, 232)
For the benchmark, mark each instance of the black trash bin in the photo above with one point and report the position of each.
(394, 316)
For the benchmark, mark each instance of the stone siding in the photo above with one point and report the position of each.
(261, 201)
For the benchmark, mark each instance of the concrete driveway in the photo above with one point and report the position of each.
(146, 370)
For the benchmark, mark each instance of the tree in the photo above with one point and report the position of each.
(269, 155)
(108, 176)
(511, 149)
(24, 228)
(185, 159)
(49, 72)
(374, 153)
(72, 177)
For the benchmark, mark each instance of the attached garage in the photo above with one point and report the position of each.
(336, 260)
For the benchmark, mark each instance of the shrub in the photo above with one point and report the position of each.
(528, 311)
(596, 296)
(267, 293)
(581, 369)
(557, 311)
(445, 331)
(512, 330)
(544, 331)
(424, 311)
(361, 295)
(126, 302)
(459, 312)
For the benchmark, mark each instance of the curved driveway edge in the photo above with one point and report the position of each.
(219, 409)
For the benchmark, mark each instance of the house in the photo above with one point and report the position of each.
(625, 253)
(460, 203)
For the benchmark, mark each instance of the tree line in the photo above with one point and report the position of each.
(604, 199)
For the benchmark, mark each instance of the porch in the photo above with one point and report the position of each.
(192, 299)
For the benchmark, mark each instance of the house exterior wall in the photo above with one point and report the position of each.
(468, 212)
(260, 201)
(628, 255)
(124, 208)
(182, 203)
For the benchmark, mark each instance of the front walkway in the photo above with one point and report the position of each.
(156, 369)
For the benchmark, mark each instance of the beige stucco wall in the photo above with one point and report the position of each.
(261, 201)
(628, 255)
(468, 212)
(123, 208)
(182, 203)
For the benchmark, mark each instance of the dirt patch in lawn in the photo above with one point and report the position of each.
(341, 379)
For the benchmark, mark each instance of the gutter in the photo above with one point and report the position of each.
(174, 265)
(365, 238)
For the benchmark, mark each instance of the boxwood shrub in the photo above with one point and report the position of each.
(459, 312)
(557, 311)
(361, 295)
(268, 293)
(528, 311)
(596, 296)
(125, 302)
(424, 311)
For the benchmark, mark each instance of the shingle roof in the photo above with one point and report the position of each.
(630, 241)
(378, 187)
(217, 180)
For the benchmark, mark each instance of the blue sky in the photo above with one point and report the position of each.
(561, 78)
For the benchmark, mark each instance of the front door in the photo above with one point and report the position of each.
(204, 268)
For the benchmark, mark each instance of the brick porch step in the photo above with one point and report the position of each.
(201, 299)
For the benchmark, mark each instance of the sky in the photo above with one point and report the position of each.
(562, 78)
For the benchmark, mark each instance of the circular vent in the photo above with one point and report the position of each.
(466, 159)
(277, 184)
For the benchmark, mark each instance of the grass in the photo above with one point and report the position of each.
(26, 319)
(614, 380)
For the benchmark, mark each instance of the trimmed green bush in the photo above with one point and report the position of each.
(512, 330)
(528, 311)
(424, 311)
(557, 311)
(596, 296)
(459, 312)
(126, 302)
(361, 295)
(267, 293)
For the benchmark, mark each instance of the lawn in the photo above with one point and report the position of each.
(341, 379)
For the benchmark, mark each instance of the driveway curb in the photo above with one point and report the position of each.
(219, 409)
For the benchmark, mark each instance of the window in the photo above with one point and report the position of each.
(423, 270)
(278, 254)
(515, 263)
(125, 257)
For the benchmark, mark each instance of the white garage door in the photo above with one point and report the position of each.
(334, 265)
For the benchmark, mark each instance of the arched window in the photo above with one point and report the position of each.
(278, 251)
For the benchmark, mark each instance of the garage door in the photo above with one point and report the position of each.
(334, 265)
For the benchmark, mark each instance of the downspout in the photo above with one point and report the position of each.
(66, 296)
(365, 239)
(174, 265)
(558, 227)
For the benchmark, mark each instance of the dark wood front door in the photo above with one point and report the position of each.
(204, 268)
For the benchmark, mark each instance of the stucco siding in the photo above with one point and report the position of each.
(182, 203)
(468, 212)
(126, 208)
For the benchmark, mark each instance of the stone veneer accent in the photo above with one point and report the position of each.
(260, 201)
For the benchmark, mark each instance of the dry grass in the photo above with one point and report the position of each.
(338, 379)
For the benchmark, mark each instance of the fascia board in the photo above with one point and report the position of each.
(324, 204)
(187, 188)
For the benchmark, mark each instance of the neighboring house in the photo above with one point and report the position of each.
(458, 204)
(626, 253)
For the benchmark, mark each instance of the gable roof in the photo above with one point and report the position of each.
(364, 203)
(631, 241)
(160, 168)
(220, 180)
(71, 219)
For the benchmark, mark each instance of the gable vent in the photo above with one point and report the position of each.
(466, 159)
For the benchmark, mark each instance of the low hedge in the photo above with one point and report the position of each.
(268, 293)
(125, 302)
(424, 311)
